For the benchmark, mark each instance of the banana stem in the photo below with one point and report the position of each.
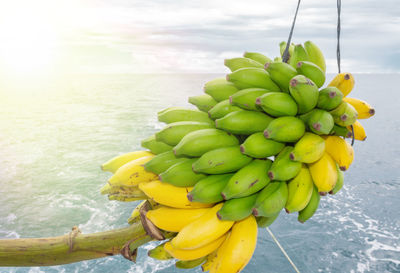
(73, 247)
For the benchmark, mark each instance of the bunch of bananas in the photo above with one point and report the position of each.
(263, 139)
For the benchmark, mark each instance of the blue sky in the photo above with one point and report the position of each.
(137, 36)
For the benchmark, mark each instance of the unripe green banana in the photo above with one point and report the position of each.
(320, 122)
(344, 114)
(277, 104)
(264, 222)
(311, 71)
(246, 98)
(208, 190)
(237, 63)
(304, 92)
(329, 98)
(300, 189)
(237, 209)
(285, 129)
(341, 131)
(283, 168)
(308, 149)
(248, 180)
(162, 162)
(198, 142)
(277, 59)
(243, 122)
(203, 102)
(174, 132)
(282, 47)
(181, 174)
(174, 114)
(159, 253)
(271, 200)
(315, 55)
(156, 147)
(311, 207)
(339, 181)
(258, 57)
(281, 73)
(220, 89)
(258, 146)
(221, 109)
(190, 264)
(299, 55)
(222, 160)
(251, 77)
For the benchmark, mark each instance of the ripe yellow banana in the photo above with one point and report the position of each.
(359, 131)
(173, 219)
(169, 195)
(113, 189)
(300, 190)
(115, 163)
(344, 82)
(191, 254)
(340, 150)
(324, 173)
(202, 231)
(363, 109)
(132, 173)
(235, 253)
(209, 261)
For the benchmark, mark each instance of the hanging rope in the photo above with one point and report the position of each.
(286, 56)
(339, 8)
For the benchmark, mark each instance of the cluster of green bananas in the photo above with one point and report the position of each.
(263, 139)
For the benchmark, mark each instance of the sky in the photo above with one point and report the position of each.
(167, 36)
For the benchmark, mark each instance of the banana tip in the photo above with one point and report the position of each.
(292, 157)
(332, 94)
(293, 82)
(189, 197)
(299, 64)
(219, 216)
(258, 101)
(223, 195)
(287, 211)
(271, 175)
(331, 192)
(342, 168)
(255, 212)
(267, 65)
(266, 134)
(343, 117)
(347, 76)
(230, 99)
(317, 126)
(301, 221)
(323, 193)
(371, 111)
(242, 150)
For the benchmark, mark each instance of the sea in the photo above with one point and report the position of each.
(55, 134)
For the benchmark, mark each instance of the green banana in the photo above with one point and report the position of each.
(264, 222)
(220, 89)
(203, 102)
(181, 174)
(248, 180)
(237, 209)
(156, 147)
(315, 55)
(311, 71)
(208, 190)
(190, 264)
(344, 114)
(250, 77)
(237, 63)
(277, 104)
(282, 47)
(174, 132)
(198, 142)
(308, 149)
(285, 129)
(221, 109)
(329, 98)
(304, 92)
(341, 131)
(258, 57)
(243, 122)
(258, 146)
(311, 207)
(222, 160)
(174, 114)
(246, 98)
(277, 59)
(281, 73)
(299, 55)
(339, 181)
(159, 253)
(320, 122)
(300, 189)
(271, 200)
(283, 168)
(162, 162)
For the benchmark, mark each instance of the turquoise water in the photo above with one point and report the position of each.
(54, 137)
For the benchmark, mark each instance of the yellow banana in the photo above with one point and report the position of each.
(202, 231)
(115, 163)
(340, 150)
(113, 189)
(324, 173)
(300, 189)
(235, 253)
(132, 173)
(136, 213)
(191, 254)
(209, 261)
(173, 219)
(170, 195)
(344, 82)
(359, 131)
(363, 109)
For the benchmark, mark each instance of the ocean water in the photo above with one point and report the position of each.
(54, 136)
